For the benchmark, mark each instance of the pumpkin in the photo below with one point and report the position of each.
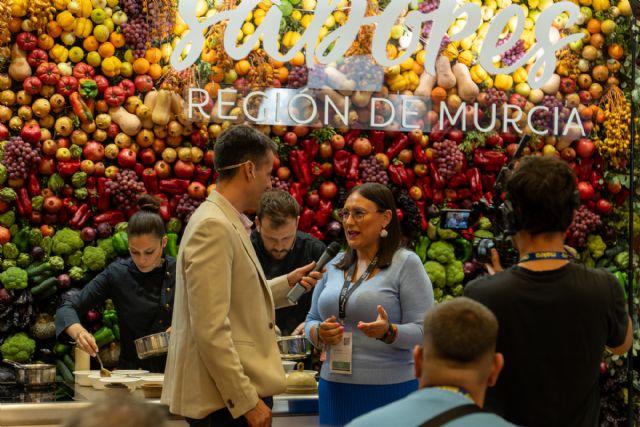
(503, 82)
(600, 5)
(478, 74)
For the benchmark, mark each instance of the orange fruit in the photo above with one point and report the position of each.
(117, 39)
(90, 44)
(153, 55)
(217, 75)
(298, 59)
(141, 66)
(242, 67)
(54, 29)
(15, 25)
(106, 49)
(593, 26)
(283, 74)
(155, 71)
(615, 51)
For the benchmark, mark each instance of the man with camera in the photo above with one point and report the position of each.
(555, 316)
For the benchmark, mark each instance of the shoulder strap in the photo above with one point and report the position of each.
(451, 414)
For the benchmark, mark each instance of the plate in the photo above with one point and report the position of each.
(130, 372)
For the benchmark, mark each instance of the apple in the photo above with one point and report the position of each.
(585, 148)
(455, 135)
(326, 151)
(4, 132)
(46, 166)
(337, 142)
(290, 138)
(208, 158)
(88, 234)
(87, 166)
(31, 133)
(311, 199)
(127, 158)
(49, 147)
(586, 191)
(415, 192)
(52, 204)
(362, 147)
(326, 170)
(183, 170)
(162, 168)
(196, 190)
(300, 130)
(568, 154)
(405, 156)
(511, 149)
(283, 173)
(567, 85)
(63, 142)
(147, 156)
(278, 130)
(63, 154)
(328, 190)
(143, 83)
(420, 169)
(100, 168)
(614, 186)
(111, 171)
(604, 206)
(415, 136)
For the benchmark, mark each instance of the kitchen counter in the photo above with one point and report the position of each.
(40, 410)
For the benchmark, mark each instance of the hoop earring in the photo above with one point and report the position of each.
(384, 233)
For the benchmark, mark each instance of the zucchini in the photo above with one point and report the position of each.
(64, 371)
(36, 280)
(47, 293)
(68, 361)
(37, 269)
(45, 285)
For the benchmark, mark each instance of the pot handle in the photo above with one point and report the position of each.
(12, 363)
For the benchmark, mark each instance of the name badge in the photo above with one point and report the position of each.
(340, 355)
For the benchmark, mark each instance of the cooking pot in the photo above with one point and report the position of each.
(299, 381)
(35, 374)
(152, 345)
(295, 347)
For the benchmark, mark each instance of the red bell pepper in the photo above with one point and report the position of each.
(424, 183)
(376, 138)
(399, 143)
(80, 109)
(306, 219)
(436, 179)
(150, 180)
(351, 136)
(353, 171)
(310, 147)
(297, 192)
(71, 205)
(300, 164)
(411, 178)
(596, 180)
(114, 96)
(341, 162)
(173, 204)
(80, 218)
(583, 170)
(315, 232)
(475, 182)
(165, 211)
(489, 160)
(323, 212)
(34, 185)
(316, 169)
(112, 217)
(488, 180)
(203, 174)
(458, 180)
(423, 219)
(68, 168)
(103, 196)
(23, 202)
(92, 189)
(464, 193)
(174, 185)
(419, 156)
(398, 174)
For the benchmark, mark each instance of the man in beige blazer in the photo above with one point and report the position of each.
(223, 356)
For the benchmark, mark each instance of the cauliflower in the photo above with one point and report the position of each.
(18, 347)
(107, 246)
(596, 246)
(10, 251)
(66, 242)
(56, 263)
(436, 273)
(76, 273)
(14, 278)
(455, 272)
(94, 258)
(442, 252)
(7, 219)
(75, 259)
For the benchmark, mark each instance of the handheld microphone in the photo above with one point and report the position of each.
(298, 290)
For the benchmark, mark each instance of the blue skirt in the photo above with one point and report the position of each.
(340, 403)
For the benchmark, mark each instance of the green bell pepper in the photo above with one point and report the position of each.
(104, 336)
(120, 242)
(172, 245)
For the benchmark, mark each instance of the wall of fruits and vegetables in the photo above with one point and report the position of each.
(92, 114)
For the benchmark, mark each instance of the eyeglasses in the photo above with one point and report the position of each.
(357, 214)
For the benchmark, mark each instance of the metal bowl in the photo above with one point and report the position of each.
(152, 345)
(35, 374)
(294, 347)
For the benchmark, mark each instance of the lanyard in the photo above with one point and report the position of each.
(537, 256)
(347, 290)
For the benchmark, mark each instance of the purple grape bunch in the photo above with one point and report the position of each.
(124, 189)
(543, 119)
(187, 205)
(449, 158)
(19, 157)
(298, 77)
(279, 184)
(584, 223)
(372, 170)
(496, 96)
(514, 54)
(136, 30)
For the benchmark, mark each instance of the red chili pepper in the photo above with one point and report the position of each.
(489, 160)
(423, 219)
(150, 180)
(473, 176)
(419, 155)
(80, 109)
(341, 162)
(174, 185)
(488, 180)
(323, 212)
(80, 218)
(427, 190)
(306, 219)
(203, 174)
(165, 211)
(68, 168)
(351, 136)
(436, 179)
(458, 180)
(315, 232)
(71, 205)
(297, 192)
(23, 202)
(353, 170)
(103, 196)
(34, 185)
(411, 178)
(399, 143)
(310, 147)
(376, 137)
(398, 175)
(301, 168)
(112, 217)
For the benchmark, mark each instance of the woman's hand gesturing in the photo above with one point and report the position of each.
(331, 331)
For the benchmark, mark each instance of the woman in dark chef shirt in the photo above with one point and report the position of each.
(141, 287)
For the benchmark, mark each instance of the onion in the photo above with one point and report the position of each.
(334, 230)
(37, 253)
(64, 282)
(104, 230)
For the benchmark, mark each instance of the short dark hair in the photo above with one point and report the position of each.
(147, 220)
(460, 330)
(542, 191)
(383, 198)
(278, 206)
(122, 412)
(238, 144)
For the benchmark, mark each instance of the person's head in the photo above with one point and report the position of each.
(370, 222)
(243, 158)
(542, 191)
(121, 412)
(146, 232)
(277, 222)
(459, 347)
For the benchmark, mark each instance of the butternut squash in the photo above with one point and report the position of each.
(467, 89)
(161, 114)
(129, 123)
(427, 82)
(552, 86)
(19, 68)
(445, 77)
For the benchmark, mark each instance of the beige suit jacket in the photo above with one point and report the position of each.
(222, 350)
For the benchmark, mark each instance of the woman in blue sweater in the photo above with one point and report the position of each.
(367, 311)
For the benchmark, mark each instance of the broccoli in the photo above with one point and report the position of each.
(443, 252)
(66, 242)
(446, 234)
(596, 246)
(107, 246)
(484, 223)
(14, 278)
(8, 195)
(56, 263)
(24, 260)
(437, 294)
(436, 273)
(10, 251)
(18, 347)
(457, 291)
(94, 258)
(455, 272)
(8, 263)
(75, 259)
(7, 219)
(81, 193)
(79, 179)
(35, 237)
(76, 273)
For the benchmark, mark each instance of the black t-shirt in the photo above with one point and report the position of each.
(553, 326)
(306, 249)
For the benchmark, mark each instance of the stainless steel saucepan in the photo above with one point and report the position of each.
(34, 374)
(152, 345)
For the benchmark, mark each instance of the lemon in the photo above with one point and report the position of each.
(397, 31)
(101, 32)
(126, 69)
(76, 54)
(296, 15)
(248, 28)
(93, 59)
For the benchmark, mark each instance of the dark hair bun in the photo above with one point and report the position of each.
(148, 203)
